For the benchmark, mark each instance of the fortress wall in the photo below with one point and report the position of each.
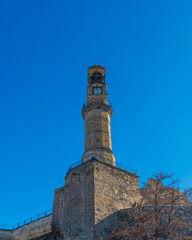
(121, 219)
(93, 191)
(33, 229)
(114, 189)
(73, 208)
(29, 231)
(5, 234)
(168, 194)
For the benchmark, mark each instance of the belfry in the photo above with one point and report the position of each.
(97, 114)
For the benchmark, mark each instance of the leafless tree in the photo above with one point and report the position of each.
(163, 212)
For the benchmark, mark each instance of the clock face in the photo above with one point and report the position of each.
(97, 91)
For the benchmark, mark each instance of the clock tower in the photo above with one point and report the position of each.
(97, 113)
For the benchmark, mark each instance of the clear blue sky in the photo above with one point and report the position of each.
(45, 49)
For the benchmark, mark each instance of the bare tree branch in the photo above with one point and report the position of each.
(163, 212)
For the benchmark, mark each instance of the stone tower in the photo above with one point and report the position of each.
(97, 114)
(95, 189)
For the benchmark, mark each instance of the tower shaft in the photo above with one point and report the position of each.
(97, 114)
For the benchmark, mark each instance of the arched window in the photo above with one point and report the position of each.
(96, 77)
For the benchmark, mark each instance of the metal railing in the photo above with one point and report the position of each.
(118, 165)
(26, 221)
(73, 166)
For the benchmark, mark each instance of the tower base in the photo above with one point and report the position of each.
(93, 192)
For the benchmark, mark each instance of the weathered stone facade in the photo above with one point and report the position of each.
(73, 211)
(29, 231)
(167, 194)
(114, 189)
(93, 191)
(123, 218)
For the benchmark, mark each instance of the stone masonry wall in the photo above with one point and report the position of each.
(121, 219)
(93, 191)
(114, 189)
(168, 195)
(29, 231)
(5, 234)
(73, 208)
